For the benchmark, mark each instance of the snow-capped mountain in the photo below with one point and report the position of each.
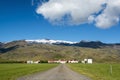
(48, 41)
(82, 43)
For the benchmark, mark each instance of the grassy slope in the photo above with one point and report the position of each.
(48, 52)
(98, 71)
(12, 71)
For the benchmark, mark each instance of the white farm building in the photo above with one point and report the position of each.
(89, 61)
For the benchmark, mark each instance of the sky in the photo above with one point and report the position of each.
(71, 20)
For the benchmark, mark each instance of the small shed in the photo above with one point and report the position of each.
(90, 61)
(29, 62)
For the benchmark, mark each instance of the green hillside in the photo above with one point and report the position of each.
(22, 51)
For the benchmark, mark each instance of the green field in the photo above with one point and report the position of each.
(13, 71)
(98, 71)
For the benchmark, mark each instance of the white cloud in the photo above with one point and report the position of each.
(91, 18)
(77, 12)
(110, 16)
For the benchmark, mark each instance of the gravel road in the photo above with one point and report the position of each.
(61, 72)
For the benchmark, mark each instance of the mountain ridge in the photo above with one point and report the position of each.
(22, 50)
(82, 43)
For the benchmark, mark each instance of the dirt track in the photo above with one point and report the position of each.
(62, 72)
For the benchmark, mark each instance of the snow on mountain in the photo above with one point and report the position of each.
(48, 41)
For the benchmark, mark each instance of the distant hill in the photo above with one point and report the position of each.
(23, 50)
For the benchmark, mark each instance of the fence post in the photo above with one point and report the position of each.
(111, 69)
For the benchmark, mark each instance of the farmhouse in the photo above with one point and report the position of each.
(89, 61)
(63, 61)
(57, 61)
(73, 61)
(36, 62)
(31, 62)
(51, 61)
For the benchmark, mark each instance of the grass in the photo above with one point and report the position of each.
(13, 71)
(98, 71)
(24, 52)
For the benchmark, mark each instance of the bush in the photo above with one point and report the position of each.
(43, 61)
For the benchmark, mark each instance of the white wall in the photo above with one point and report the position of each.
(89, 61)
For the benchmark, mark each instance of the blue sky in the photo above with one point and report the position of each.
(19, 20)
